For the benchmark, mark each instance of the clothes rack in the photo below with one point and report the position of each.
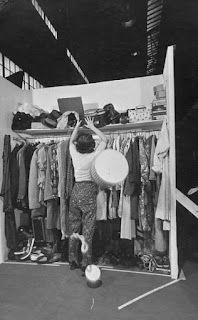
(46, 135)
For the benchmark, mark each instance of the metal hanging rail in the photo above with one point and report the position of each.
(152, 125)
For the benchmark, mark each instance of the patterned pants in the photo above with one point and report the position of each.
(82, 214)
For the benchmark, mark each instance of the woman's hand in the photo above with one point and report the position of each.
(89, 122)
(90, 125)
(78, 123)
(75, 131)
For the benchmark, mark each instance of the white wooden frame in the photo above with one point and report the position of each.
(168, 74)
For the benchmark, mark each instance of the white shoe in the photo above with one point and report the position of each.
(29, 249)
(35, 256)
(22, 251)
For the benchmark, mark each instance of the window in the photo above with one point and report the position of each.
(7, 72)
(12, 67)
(44, 17)
(8, 67)
(6, 63)
(76, 65)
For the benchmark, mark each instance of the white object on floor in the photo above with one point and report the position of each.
(192, 190)
(92, 303)
(93, 275)
(92, 272)
(135, 272)
(147, 293)
(33, 264)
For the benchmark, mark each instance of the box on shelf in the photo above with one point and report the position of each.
(160, 87)
(159, 102)
(158, 113)
(160, 94)
(38, 125)
(159, 108)
(159, 117)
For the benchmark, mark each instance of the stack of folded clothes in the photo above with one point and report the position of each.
(159, 103)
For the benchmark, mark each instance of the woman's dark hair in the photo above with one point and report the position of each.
(85, 143)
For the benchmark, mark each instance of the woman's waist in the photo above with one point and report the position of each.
(85, 181)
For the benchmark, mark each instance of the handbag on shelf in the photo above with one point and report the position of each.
(98, 115)
(139, 113)
(21, 121)
(112, 116)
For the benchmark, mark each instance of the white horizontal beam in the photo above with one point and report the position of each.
(187, 203)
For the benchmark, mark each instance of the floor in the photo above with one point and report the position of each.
(49, 292)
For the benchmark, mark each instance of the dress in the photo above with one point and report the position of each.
(161, 166)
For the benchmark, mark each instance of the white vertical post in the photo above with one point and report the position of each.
(170, 93)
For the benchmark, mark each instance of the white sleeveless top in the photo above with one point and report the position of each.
(82, 161)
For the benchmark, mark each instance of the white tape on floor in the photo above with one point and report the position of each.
(92, 303)
(148, 293)
(32, 263)
(106, 267)
(136, 272)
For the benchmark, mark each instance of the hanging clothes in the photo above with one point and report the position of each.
(161, 166)
(28, 153)
(128, 230)
(42, 167)
(101, 213)
(113, 203)
(5, 187)
(113, 198)
(51, 189)
(33, 191)
(22, 176)
(10, 223)
(63, 159)
(52, 172)
(51, 186)
(145, 185)
(69, 174)
(133, 180)
(124, 147)
(49, 162)
(14, 175)
(152, 174)
(53, 214)
(149, 192)
(136, 181)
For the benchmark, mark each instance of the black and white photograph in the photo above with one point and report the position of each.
(98, 159)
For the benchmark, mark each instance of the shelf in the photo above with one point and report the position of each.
(152, 125)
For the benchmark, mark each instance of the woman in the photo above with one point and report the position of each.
(83, 201)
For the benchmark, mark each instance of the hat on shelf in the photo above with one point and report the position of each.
(51, 120)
